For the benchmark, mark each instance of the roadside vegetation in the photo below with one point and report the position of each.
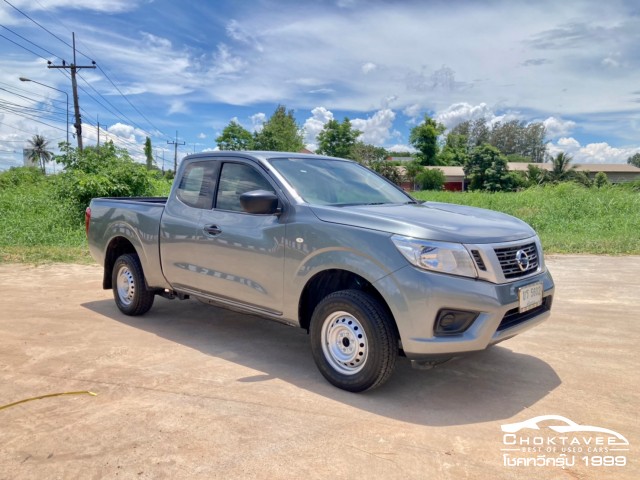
(42, 217)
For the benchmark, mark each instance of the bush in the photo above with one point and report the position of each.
(601, 180)
(431, 179)
(104, 172)
(17, 176)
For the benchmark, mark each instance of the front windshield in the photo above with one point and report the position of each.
(335, 182)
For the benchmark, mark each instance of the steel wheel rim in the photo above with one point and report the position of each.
(344, 343)
(125, 285)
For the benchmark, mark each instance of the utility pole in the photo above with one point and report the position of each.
(98, 122)
(74, 67)
(175, 155)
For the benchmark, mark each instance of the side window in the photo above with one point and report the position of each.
(236, 179)
(197, 185)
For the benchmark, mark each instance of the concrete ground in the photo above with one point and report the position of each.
(191, 391)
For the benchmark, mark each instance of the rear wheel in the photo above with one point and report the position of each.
(129, 289)
(353, 340)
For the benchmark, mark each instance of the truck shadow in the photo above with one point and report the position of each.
(492, 385)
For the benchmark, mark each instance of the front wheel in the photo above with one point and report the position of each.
(129, 289)
(353, 340)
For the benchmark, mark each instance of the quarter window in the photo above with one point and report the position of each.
(197, 185)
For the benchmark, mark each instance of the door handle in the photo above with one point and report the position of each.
(212, 230)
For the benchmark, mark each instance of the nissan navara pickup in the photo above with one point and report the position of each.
(327, 245)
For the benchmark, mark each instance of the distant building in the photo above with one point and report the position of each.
(26, 161)
(455, 180)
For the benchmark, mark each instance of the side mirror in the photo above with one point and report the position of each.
(259, 202)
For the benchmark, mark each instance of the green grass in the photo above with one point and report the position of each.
(568, 217)
(37, 228)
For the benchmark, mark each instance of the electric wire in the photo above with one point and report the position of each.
(42, 27)
(32, 43)
(25, 48)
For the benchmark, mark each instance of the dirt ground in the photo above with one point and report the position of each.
(191, 391)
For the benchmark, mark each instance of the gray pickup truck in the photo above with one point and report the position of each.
(329, 246)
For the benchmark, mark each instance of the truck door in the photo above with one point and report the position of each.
(240, 256)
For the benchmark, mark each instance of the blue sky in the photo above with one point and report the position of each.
(194, 66)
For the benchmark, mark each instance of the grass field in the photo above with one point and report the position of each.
(37, 228)
(568, 217)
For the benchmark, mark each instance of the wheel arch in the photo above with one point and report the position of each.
(329, 281)
(117, 246)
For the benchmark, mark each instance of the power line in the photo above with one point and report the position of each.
(32, 43)
(42, 27)
(23, 47)
(85, 55)
(122, 115)
(128, 101)
(37, 121)
(29, 98)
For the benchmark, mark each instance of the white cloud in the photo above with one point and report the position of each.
(402, 148)
(368, 67)
(238, 33)
(556, 127)
(202, 135)
(377, 129)
(314, 125)
(600, 152)
(107, 6)
(154, 41)
(257, 121)
(227, 64)
(461, 112)
(177, 106)
(413, 112)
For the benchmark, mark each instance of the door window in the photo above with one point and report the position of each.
(236, 179)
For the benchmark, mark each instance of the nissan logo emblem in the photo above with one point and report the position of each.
(522, 259)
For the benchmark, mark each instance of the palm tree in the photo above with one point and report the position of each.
(561, 170)
(38, 151)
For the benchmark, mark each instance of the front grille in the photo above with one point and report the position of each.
(508, 262)
(514, 317)
(478, 259)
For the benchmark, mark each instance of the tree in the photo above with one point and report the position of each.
(424, 138)
(280, 133)
(412, 170)
(634, 160)
(487, 169)
(235, 137)
(562, 170)
(38, 151)
(386, 170)
(366, 154)
(338, 139)
(431, 179)
(601, 180)
(148, 153)
(535, 175)
(455, 150)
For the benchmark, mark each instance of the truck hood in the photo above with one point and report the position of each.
(436, 221)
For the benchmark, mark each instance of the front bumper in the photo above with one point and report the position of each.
(415, 297)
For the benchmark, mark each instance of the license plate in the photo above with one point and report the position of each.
(530, 297)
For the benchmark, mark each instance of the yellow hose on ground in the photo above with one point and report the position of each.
(87, 392)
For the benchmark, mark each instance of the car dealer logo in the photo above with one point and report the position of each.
(522, 259)
(556, 441)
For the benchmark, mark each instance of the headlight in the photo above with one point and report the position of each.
(451, 258)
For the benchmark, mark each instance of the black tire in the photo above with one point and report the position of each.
(353, 340)
(129, 288)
